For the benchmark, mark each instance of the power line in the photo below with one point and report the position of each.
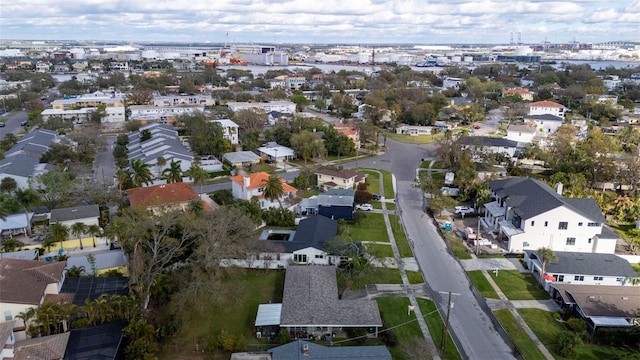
(387, 329)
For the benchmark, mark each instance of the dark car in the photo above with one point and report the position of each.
(24, 123)
(2, 124)
(376, 196)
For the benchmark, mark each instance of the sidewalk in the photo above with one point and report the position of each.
(506, 303)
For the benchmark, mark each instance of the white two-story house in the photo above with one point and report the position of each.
(547, 107)
(229, 130)
(246, 187)
(527, 214)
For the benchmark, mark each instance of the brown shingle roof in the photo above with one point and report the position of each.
(50, 347)
(165, 194)
(24, 281)
(602, 300)
(58, 298)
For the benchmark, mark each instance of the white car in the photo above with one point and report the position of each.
(364, 207)
(464, 210)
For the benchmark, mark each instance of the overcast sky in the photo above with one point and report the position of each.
(322, 21)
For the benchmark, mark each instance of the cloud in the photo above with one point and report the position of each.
(315, 21)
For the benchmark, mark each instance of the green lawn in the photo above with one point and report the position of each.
(435, 325)
(373, 182)
(410, 341)
(415, 277)
(376, 204)
(390, 205)
(379, 250)
(401, 238)
(387, 183)
(457, 246)
(525, 345)
(370, 228)
(237, 314)
(482, 284)
(548, 330)
(383, 276)
(519, 286)
(308, 193)
(425, 164)
(636, 267)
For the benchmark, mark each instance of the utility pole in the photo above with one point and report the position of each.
(445, 329)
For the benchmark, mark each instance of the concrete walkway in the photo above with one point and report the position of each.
(492, 263)
(506, 303)
(548, 305)
(408, 290)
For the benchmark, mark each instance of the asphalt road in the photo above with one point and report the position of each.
(470, 324)
(104, 168)
(12, 123)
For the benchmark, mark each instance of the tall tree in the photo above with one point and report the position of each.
(94, 230)
(59, 233)
(173, 174)
(160, 163)
(546, 255)
(8, 185)
(273, 188)
(152, 243)
(78, 229)
(198, 175)
(141, 173)
(27, 199)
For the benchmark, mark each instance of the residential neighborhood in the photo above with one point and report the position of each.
(190, 205)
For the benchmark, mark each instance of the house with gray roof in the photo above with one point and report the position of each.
(527, 214)
(301, 349)
(22, 169)
(240, 159)
(88, 214)
(311, 307)
(599, 305)
(546, 124)
(581, 269)
(164, 142)
(306, 245)
(482, 145)
(334, 204)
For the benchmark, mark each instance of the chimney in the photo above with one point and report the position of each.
(559, 188)
(247, 181)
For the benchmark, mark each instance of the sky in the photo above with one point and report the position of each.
(322, 21)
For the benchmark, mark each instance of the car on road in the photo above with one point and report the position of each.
(477, 127)
(364, 207)
(376, 197)
(2, 124)
(24, 123)
(463, 210)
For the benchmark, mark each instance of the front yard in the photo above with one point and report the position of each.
(370, 228)
(482, 284)
(519, 286)
(523, 342)
(549, 332)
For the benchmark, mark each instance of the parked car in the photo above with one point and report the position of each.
(364, 207)
(2, 124)
(477, 127)
(376, 197)
(464, 210)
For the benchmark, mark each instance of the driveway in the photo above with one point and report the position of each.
(492, 263)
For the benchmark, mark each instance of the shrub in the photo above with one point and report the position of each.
(557, 316)
(577, 325)
(567, 345)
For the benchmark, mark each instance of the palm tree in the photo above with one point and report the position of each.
(59, 233)
(160, 163)
(195, 206)
(26, 316)
(4, 212)
(27, 199)
(546, 254)
(124, 179)
(198, 175)
(141, 173)
(75, 271)
(10, 245)
(273, 188)
(94, 230)
(173, 173)
(78, 229)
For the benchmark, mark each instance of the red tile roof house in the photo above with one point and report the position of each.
(160, 198)
(245, 187)
(24, 284)
(524, 94)
(547, 107)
